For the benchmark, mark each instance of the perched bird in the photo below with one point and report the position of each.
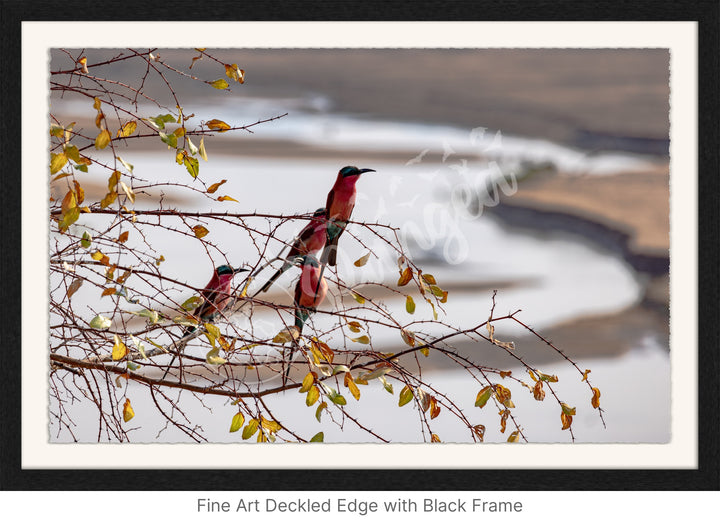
(216, 296)
(340, 204)
(310, 240)
(310, 292)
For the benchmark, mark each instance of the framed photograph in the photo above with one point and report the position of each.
(397, 253)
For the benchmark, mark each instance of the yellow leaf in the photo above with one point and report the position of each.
(308, 381)
(237, 422)
(409, 304)
(435, 439)
(504, 396)
(227, 198)
(72, 153)
(313, 395)
(434, 408)
(430, 279)
(119, 350)
(514, 437)
(128, 412)
(215, 124)
(179, 132)
(287, 335)
(128, 191)
(235, 73)
(109, 291)
(362, 260)
(595, 398)
(200, 231)
(180, 156)
(270, 426)
(108, 200)
(354, 390)
(57, 161)
(96, 102)
(102, 140)
(408, 337)
(100, 257)
(538, 392)
(219, 84)
(354, 326)
(250, 429)
(585, 375)
(405, 277)
(364, 339)
(113, 180)
(127, 129)
(505, 373)
(358, 298)
(566, 420)
(79, 193)
(212, 188)
(201, 149)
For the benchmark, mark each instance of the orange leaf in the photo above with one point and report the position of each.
(595, 398)
(405, 277)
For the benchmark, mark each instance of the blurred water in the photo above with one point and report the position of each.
(556, 278)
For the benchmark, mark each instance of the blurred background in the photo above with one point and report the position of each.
(543, 174)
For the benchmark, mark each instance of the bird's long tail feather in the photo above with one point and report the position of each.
(273, 278)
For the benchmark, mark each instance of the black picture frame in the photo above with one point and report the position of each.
(705, 477)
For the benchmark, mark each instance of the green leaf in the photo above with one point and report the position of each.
(336, 398)
(406, 396)
(168, 139)
(483, 396)
(192, 303)
(320, 408)
(192, 165)
(100, 322)
(213, 357)
(409, 304)
(318, 438)
(388, 387)
(160, 120)
(219, 84)
(86, 240)
(237, 422)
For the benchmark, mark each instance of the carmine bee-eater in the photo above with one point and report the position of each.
(310, 240)
(310, 292)
(216, 297)
(340, 204)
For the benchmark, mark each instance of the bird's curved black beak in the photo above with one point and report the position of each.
(363, 170)
(240, 270)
